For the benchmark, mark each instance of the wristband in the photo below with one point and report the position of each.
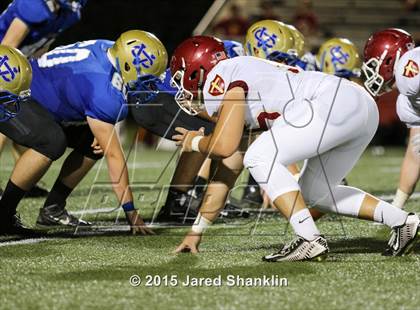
(194, 143)
(128, 206)
(200, 224)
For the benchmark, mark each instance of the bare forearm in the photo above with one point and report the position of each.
(118, 174)
(410, 171)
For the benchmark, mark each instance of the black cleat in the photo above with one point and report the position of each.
(13, 226)
(232, 211)
(182, 209)
(252, 197)
(36, 192)
(57, 216)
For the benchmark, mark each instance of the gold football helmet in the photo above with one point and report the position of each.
(138, 53)
(340, 57)
(15, 81)
(269, 38)
(299, 40)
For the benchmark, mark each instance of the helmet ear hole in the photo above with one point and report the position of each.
(388, 61)
(126, 67)
(193, 75)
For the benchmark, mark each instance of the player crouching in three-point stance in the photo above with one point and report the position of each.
(79, 92)
(392, 61)
(304, 115)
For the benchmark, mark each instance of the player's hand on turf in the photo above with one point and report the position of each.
(137, 224)
(185, 137)
(96, 147)
(189, 244)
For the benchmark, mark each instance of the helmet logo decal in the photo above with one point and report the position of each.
(338, 56)
(217, 86)
(142, 57)
(264, 39)
(7, 73)
(411, 69)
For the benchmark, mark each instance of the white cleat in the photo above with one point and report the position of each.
(301, 249)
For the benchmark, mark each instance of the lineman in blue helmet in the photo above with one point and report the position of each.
(32, 26)
(79, 92)
(161, 116)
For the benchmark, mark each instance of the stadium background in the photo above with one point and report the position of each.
(174, 20)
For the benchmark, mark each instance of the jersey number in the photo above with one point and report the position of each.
(264, 116)
(65, 54)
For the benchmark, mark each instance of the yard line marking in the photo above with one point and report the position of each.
(93, 211)
(24, 241)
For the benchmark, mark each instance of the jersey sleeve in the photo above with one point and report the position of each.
(33, 11)
(225, 76)
(406, 112)
(407, 73)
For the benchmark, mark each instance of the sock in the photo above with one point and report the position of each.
(10, 199)
(173, 195)
(58, 195)
(303, 224)
(400, 199)
(389, 215)
(199, 185)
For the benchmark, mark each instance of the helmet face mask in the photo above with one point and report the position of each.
(10, 103)
(191, 61)
(382, 52)
(184, 97)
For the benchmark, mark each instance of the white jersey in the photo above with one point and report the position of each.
(407, 77)
(271, 88)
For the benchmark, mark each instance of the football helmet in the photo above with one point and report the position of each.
(340, 57)
(15, 81)
(299, 40)
(191, 61)
(382, 51)
(233, 48)
(140, 58)
(272, 40)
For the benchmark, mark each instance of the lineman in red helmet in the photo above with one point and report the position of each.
(303, 115)
(392, 61)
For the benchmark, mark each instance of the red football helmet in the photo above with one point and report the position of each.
(191, 62)
(382, 51)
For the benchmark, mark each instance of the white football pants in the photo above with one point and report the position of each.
(342, 120)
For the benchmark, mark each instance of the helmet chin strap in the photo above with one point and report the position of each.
(200, 87)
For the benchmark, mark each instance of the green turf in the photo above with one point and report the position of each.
(93, 272)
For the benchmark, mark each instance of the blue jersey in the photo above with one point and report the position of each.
(78, 80)
(44, 24)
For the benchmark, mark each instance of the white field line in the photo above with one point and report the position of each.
(24, 241)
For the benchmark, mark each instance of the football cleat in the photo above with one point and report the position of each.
(252, 196)
(14, 226)
(233, 211)
(301, 249)
(56, 215)
(182, 208)
(404, 237)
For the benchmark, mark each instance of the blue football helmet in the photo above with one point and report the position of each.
(72, 5)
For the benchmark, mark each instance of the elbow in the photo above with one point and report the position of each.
(224, 151)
